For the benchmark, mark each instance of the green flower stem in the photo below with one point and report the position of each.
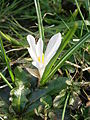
(5, 80)
(64, 109)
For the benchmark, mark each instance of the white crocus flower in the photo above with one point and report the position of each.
(40, 60)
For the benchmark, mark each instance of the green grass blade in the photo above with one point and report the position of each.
(66, 56)
(65, 41)
(40, 24)
(66, 101)
(10, 39)
(16, 23)
(5, 80)
(6, 59)
(81, 14)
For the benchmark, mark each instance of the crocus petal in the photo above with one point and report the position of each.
(40, 67)
(41, 71)
(39, 48)
(31, 40)
(36, 64)
(32, 50)
(32, 54)
(52, 47)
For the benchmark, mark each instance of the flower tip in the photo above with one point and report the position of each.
(59, 34)
(28, 37)
(31, 40)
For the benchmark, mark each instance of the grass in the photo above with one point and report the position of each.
(64, 88)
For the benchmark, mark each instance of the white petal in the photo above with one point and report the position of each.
(31, 40)
(39, 48)
(32, 54)
(52, 47)
(36, 64)
(32, 49)
(40, 67)
(41, 71)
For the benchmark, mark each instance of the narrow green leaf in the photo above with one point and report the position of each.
(17, 24)
(40, 24)
(5, 80)
(65, 41)
(64, 109)
(66, 56)
(10, 39)
(6, 59)
(81, 15)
